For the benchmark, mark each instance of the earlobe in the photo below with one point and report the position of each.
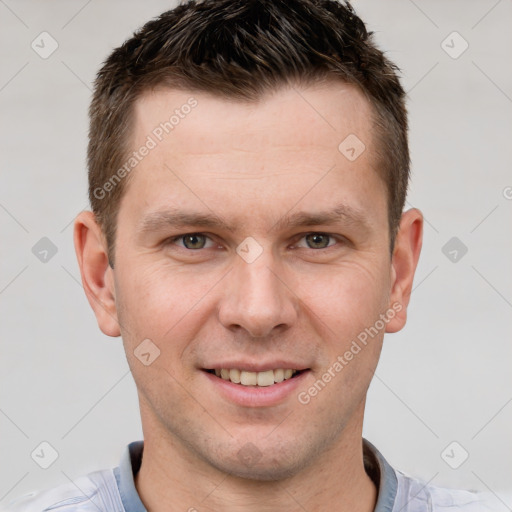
(403, 266)
(97, 275)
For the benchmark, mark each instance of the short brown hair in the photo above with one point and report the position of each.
(242, 49)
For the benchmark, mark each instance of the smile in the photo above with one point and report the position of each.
(249, 388)
(259, 379)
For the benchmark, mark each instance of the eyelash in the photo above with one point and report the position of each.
(338, 239)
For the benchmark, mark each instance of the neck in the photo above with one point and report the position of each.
(171, 478)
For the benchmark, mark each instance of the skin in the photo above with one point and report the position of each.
(252, 163)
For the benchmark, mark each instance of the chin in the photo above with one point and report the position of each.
(252, 462)
(263, 471)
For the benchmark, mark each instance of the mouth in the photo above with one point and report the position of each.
(252, 379)
(257, 385)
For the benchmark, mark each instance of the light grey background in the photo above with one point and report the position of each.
(444, 378)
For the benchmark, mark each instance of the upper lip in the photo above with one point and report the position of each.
(253, 366)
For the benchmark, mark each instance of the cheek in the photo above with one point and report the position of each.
(348, 298)
(157, 302)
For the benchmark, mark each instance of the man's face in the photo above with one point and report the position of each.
(291, 297)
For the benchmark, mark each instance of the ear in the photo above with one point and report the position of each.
(97, 275)
(403, 266)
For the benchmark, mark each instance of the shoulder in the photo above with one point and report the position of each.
(414, 495)
(94, 492)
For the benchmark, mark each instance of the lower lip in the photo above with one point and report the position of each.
(257, 396)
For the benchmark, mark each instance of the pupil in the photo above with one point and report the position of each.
(193, 240)
(318, 239)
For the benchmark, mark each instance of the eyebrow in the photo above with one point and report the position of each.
(178, 218)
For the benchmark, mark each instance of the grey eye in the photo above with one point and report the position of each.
(317, 240)
(194, 241)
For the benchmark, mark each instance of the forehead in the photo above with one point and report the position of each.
(272, 148)
(321, 114)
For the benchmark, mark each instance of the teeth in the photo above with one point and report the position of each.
(234, 376)
(279, 375)
(248, 378)
(263, 379)
(266, 378)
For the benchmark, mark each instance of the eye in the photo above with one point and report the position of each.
(197, 241)
(192, 241)
(318, 240)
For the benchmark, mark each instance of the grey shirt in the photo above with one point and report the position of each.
(113, 490)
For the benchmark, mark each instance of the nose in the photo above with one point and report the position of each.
(257, 298)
